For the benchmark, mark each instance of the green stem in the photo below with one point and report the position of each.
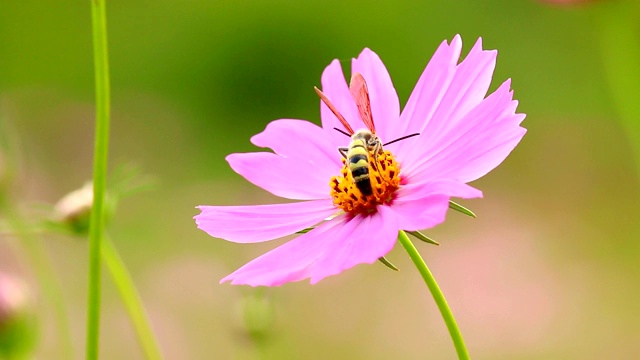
(96, 230)
(458, 342)
(131, 299)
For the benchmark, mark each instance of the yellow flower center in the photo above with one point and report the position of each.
(384, 175)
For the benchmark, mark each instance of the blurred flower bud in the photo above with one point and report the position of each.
(74, 209)
(13, 298)
(257, 315)
(17, 330)
(72, 213)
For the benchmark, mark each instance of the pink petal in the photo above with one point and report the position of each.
(446, 92)
(307, 143)
(249, 224)
(385, 106)
(450, 188)
(486, 158)
(478, 143)
(424, 205)
(282, 176)
(329, 249)
(364, 240)
(429, 90)
(422, 213)
(337, 90)
(467, 89)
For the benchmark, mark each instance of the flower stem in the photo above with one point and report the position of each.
(131, 299)
(458, 342)
(96, 230)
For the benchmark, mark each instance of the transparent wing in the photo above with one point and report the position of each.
(360, 93)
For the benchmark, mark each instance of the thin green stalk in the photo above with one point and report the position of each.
(458, 342)
(131, 299)
(96, 230)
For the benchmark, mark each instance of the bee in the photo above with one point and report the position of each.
(365, 144)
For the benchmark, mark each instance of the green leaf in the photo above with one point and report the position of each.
(460, 208)
(388, 264)
(423, 237)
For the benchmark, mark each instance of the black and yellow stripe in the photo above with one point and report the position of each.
(358, 158)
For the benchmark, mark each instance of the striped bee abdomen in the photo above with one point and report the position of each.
(359, 166)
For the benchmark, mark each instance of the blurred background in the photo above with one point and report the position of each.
(548, 270)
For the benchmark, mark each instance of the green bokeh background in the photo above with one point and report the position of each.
(548, 270)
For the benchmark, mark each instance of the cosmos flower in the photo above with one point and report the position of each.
(462, 136)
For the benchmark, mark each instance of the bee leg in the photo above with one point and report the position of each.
(378, 149)
(343, 151)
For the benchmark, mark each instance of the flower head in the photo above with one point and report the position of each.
(368, 190)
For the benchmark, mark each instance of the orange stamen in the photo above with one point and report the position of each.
(384, 174)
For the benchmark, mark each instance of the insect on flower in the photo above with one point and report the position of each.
(357, 200)
(364, 143)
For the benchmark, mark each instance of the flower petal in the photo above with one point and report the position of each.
(479, 142)
(429, 91)
(249, 224)
(421, 213)
(364, 240)
(282, 176)
(448, 187)
(487, 157)
(445, 93)
(467, 89)
(336, 89)
(424, 205)
(327, 250)
(446, 90)
(385, 106)
(303, 141)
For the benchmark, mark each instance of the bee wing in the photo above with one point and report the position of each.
(360, 93)
(335, 111)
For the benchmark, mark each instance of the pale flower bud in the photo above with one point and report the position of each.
(74, 209)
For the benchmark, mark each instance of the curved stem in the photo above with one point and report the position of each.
(458, 342)
(96, 230)
(131, 299)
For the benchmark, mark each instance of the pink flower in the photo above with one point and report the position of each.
(463, 136)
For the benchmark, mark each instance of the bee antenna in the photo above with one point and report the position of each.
(401, 138)
(342, 131)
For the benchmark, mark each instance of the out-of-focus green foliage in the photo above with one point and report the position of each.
(547, 270)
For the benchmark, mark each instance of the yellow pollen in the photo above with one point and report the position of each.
(384, 175)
